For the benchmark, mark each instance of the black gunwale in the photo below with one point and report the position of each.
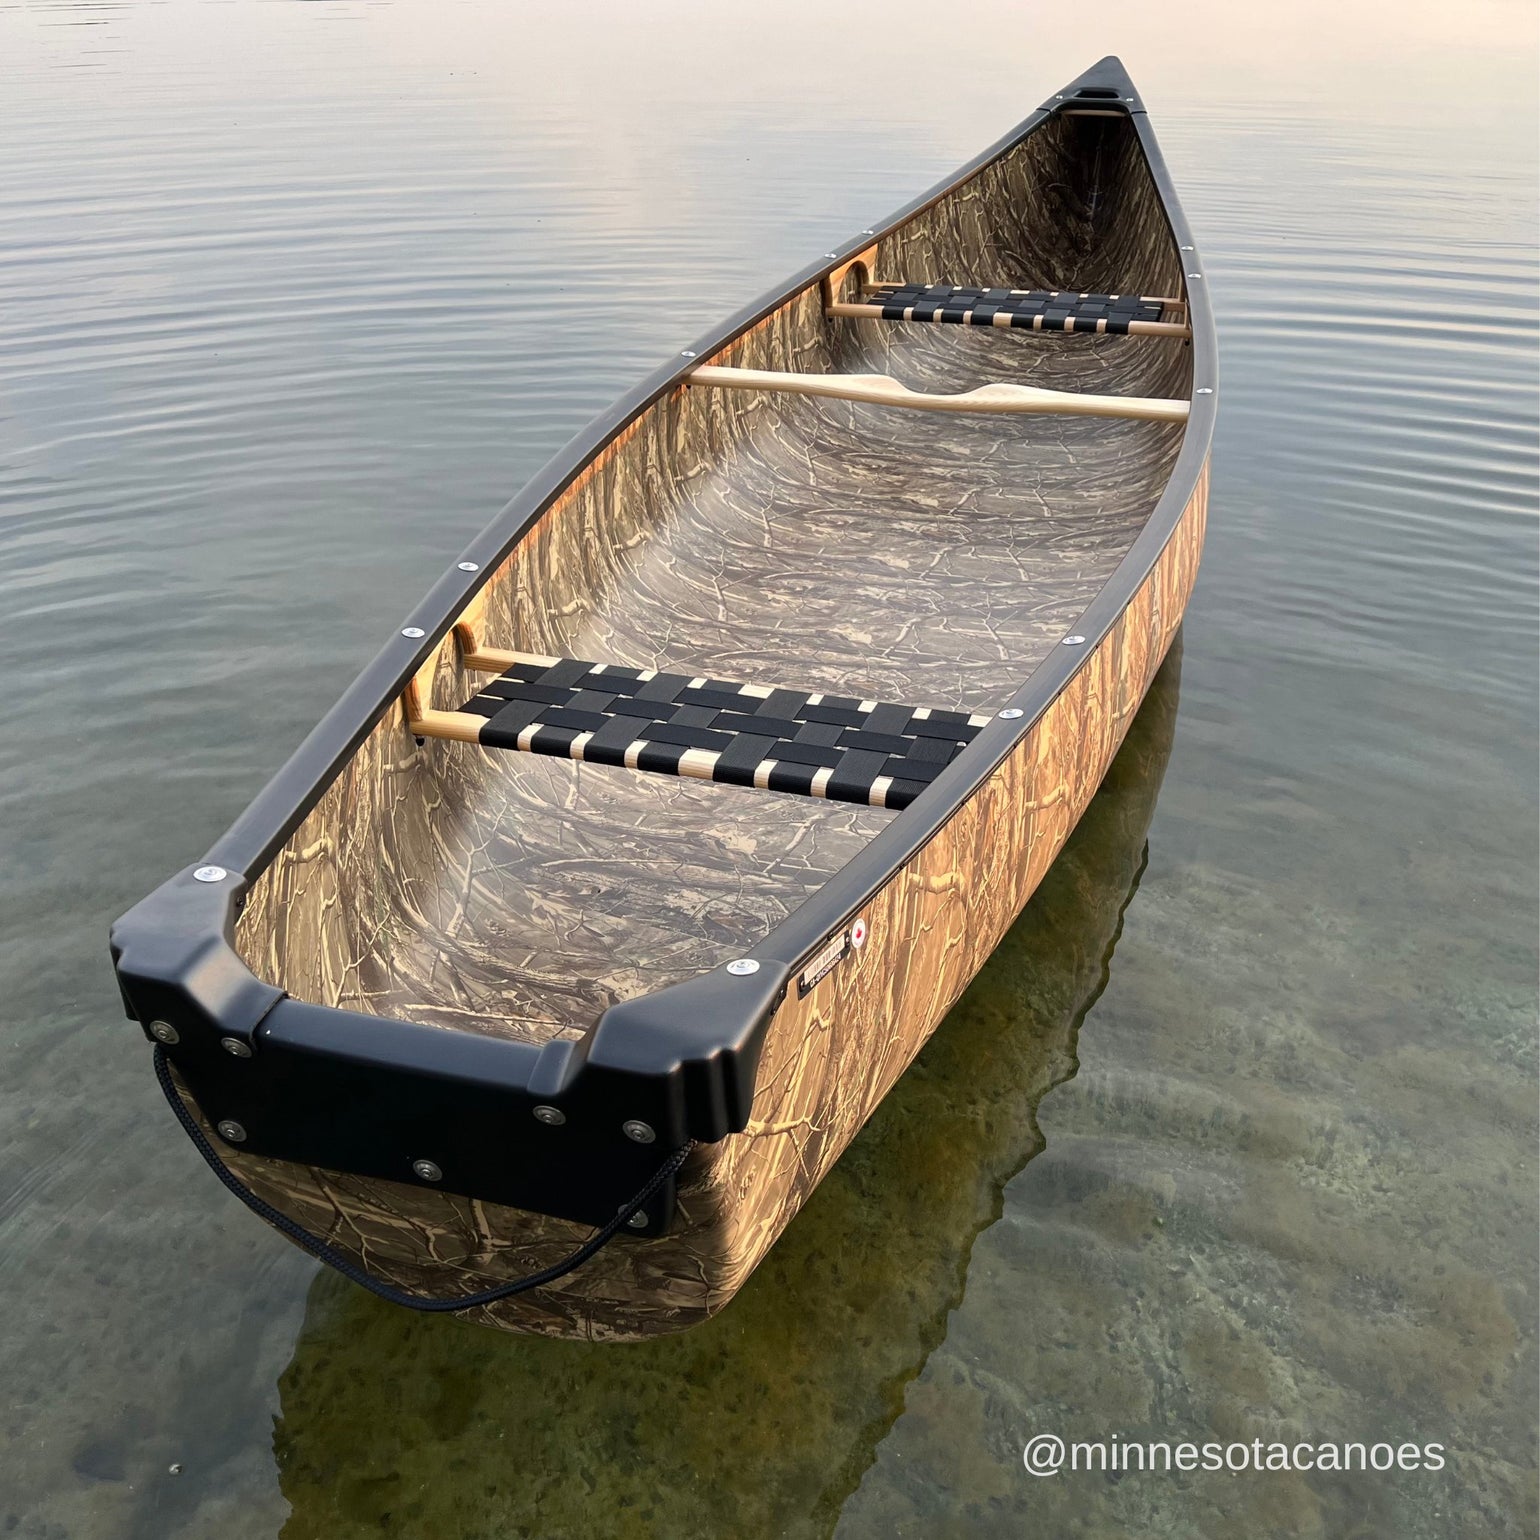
(255, 837)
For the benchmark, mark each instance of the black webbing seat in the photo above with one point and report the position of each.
(1044, 310)
(832, 746)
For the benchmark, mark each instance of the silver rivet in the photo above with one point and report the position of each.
(1189, 248)
(634, 1128)
(552, 1117)
(427, 1171)
(164, 1032)
(1010, 713)
(868, 232)
(413, 631)
(1195, 275)
(831, 256)
(235, 1047)
(743, 966)
(1128, 98)
(1073, 641)
(210, 874)
(468, 566)
(638, 1221)
(688, 353)
(231, 1130)
(1204, 390)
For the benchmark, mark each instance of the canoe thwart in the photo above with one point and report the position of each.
(883, 390)
(1041, 310)
(800, 741)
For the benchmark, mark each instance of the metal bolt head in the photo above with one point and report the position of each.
(1195, 275)
(1073, 641)
(413, 631)
(231, 1130)
(831, 256)
(634, 1128)
(427, 1170)
(638, 1221)
(688, 353)
(552, 1117)
(210, 874)
(1010, 714)
(868, 232)
(743, 966)
(468, 566)
(1204, 390)
(164, 1032)
(235, 1047)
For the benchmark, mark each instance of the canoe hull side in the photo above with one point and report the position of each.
(829, 1058)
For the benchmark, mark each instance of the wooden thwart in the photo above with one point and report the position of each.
(883, 390)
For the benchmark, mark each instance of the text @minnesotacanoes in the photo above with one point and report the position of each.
(1047, 1455)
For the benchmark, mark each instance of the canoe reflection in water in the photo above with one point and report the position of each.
(764, 1418)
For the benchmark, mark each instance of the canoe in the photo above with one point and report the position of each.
(567, 954)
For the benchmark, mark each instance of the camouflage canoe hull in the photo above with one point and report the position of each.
(701, 785)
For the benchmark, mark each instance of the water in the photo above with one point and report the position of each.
(1234, 1138)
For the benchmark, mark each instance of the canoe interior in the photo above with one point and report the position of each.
(932, 560)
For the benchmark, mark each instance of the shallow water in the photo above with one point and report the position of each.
(1235, 1136)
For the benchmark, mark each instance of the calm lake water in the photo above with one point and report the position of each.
(1234, 1138)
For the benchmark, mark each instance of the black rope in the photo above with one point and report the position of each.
(350, 1270)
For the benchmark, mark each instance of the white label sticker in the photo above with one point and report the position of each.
(822, 961)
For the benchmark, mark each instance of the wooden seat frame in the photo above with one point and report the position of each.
(869, 306)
